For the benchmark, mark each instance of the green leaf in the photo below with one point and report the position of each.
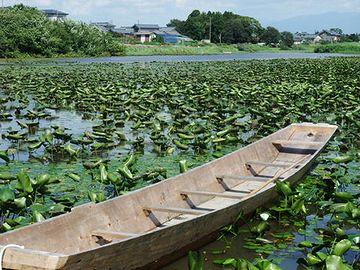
(344, 196)
(334, 262)
(24, 182)
(284, 188)
(341, 247)
(195, 261)
(4, 156)
(37, 216)
(103, 173)
(7, 195)
(183, 166)
(267, 265)
(306, 244)
(312, 259)
(299, 206)
(20, 202)
(343, 159)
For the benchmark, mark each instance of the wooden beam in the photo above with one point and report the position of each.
(277, 176)
(149, 210)
(213, 194)
(242, 179)
(111, 234)
(297, 144)
(266, 164)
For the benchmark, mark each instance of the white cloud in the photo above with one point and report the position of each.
(123, 12)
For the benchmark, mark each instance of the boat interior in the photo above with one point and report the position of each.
(213, 186)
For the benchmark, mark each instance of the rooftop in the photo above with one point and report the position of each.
(50, 12)
(146, 26)
(105, 24)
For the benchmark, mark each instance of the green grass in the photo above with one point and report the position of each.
(343, 47)
(179, 49)
(144, 49)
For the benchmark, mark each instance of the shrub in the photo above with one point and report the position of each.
(27, 31)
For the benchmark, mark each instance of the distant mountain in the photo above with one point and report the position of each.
(349, 22)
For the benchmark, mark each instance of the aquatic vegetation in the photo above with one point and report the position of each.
(71, 134)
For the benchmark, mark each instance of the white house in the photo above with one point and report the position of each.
(55, 15)
(327, 36)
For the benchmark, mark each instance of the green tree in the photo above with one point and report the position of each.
(287, 39)
(27, 31)
(270, 35)
(225, 27)
(178, 24)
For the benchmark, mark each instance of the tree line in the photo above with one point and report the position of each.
(229, 28)
(26, 31)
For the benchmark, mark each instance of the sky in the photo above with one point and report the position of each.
(128, 12)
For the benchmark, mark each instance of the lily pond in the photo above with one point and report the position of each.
(74, 133)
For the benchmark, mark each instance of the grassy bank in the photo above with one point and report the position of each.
(179, 49)
(142, 49)
(345, 47)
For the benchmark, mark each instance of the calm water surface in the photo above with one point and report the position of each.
(199, 58)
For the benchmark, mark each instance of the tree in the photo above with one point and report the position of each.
(178, 24)
(225, 27)
(27, 31)
(338, 31)
(271, 36)
(287, 39)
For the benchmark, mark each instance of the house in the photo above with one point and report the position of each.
(171, 35)
(125, 31)
(145, 27)
(304, 37)
(55, 15)
(147, 32)
(327, 36)
(104, 26)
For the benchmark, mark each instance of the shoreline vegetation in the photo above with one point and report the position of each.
(208, 49)
(205, 49)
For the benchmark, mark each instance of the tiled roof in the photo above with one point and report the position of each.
(54, 12)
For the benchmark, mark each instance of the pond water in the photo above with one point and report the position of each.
(73, 123)
(199, 58)
(283, 245)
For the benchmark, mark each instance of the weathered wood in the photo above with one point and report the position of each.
(277, 176)
(242, 179)
(70, 241)
(185, 211)
(297, 143)
(267, 164)
(111, 234)
(212, 194)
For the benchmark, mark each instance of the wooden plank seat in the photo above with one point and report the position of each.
(195, 212)
(242, 178)
(297, 143)
(112, 235)
(186, 193)
(266, 164)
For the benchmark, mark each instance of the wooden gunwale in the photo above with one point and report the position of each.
(114, 254)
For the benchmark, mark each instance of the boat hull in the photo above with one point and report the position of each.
(167, 235)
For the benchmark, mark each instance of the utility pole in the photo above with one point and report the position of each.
(2, 3)
(210, 31)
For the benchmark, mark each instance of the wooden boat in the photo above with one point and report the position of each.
(149, 225)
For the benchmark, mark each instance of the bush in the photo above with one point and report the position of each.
(27, 31)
